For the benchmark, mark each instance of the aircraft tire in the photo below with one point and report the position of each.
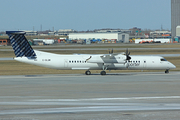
(88, 72)
(167, 71)
(103, 72)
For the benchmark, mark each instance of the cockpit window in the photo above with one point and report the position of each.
(163, 59)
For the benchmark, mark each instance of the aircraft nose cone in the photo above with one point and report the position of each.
(171, 66)
(174, 66)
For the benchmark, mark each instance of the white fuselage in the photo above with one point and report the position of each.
(95, 62)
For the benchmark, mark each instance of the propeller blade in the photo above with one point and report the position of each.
(126, 51)
(111, 51)
(127, 55)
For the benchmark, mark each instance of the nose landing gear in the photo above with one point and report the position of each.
(167, 71)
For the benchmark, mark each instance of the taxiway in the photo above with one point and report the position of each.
(142, 95)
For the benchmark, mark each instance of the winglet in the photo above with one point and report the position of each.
(20, 44)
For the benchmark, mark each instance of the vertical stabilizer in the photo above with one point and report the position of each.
(21, 46)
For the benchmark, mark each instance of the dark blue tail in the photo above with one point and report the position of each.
(21, 46)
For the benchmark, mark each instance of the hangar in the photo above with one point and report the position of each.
(120, 37)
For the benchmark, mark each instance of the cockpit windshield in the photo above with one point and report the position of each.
(163, 59)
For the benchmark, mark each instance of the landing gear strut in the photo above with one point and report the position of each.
(104, 67)
(167, 71)
(88, 72)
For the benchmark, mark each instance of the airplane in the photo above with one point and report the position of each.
(112, 61)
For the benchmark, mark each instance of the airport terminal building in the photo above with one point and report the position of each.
(119, 37)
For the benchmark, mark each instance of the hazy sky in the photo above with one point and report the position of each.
(84, 14)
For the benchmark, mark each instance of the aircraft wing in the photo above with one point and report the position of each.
(111, 56)
(106, 58)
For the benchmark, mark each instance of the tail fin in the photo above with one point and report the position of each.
(20, 44)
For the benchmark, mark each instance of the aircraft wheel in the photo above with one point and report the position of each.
(88, 72)
(167, 71)
(103, 72)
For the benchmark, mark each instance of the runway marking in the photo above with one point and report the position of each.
(88, 109)
(101, 99)
(89, 105)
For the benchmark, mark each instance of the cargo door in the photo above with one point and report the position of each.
(65, 63)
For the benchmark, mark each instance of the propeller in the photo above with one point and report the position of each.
(128, 58)
(111, 51)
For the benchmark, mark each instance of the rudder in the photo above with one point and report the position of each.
(20, 44)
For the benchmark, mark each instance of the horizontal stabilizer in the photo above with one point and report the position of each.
(20, 44)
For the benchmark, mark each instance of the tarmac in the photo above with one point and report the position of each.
(134, 96)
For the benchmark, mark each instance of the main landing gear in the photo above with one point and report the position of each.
(88, 72)
(103, 72)
(104, 67)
